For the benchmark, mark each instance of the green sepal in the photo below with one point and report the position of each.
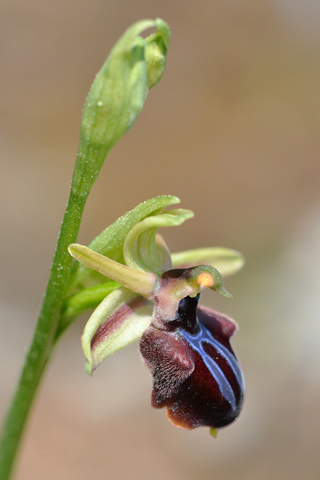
(226, 260)
(120, 319)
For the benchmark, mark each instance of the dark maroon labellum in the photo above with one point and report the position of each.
(196, 374)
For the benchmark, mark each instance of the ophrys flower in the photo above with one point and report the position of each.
(195, 372)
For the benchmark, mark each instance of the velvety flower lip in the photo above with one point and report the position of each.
(187, 348)
(195, 372)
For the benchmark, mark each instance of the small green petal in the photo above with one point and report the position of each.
(226, 260)
(136, 280)
(120, 319)
(140, 249)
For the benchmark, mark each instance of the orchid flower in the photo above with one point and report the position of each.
(152, 296)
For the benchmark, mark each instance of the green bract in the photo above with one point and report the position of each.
(132, 254)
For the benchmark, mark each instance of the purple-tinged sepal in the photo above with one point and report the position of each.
(120, 319)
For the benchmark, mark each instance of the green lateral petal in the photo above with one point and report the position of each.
(110, 241)
(226, 260)
(136, 280)
(140, 249)
(120, 319)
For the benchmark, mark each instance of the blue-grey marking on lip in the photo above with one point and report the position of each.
(196, 342)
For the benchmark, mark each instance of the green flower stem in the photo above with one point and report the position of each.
(44, 337)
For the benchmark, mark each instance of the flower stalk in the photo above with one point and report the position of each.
(43, 341)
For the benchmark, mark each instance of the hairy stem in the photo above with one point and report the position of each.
(44, 337)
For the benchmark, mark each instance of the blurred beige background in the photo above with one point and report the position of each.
(233, 130)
